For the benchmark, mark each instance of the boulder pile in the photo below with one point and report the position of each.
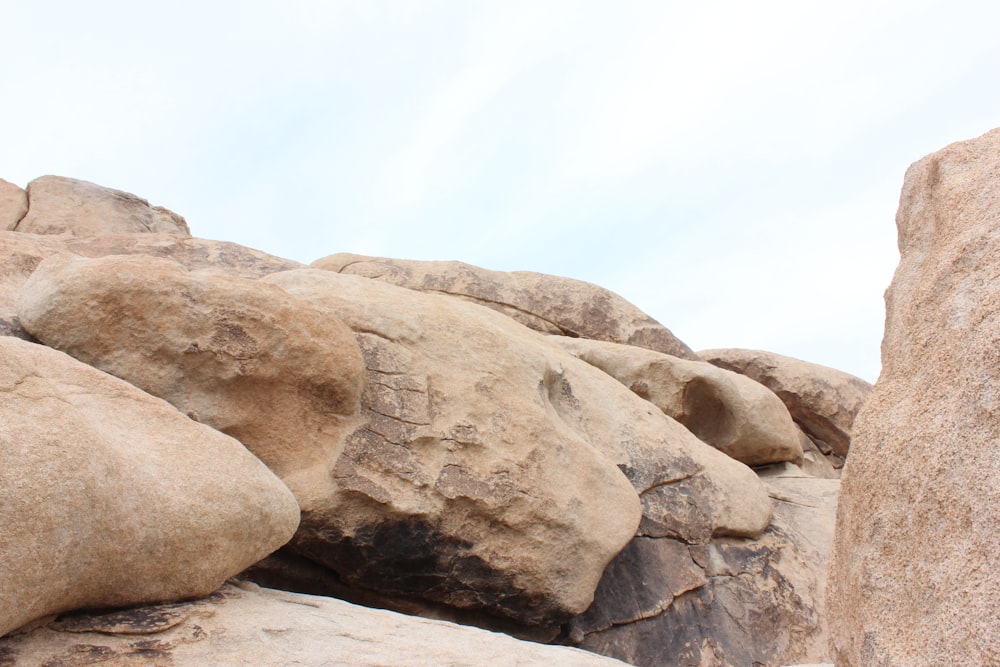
(520, 452)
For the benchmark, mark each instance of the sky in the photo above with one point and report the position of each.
(732, 168)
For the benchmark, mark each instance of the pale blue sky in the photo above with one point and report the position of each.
(733, 168)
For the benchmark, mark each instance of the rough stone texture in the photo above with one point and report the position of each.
(729, 411)
(13, 205)
(914, 578)
(726, 602)
(822, 400)
(246, 625)
(489, 473)
(111, 497)
(59, 205)
(550, 304)
(20, 253)
(244, 357)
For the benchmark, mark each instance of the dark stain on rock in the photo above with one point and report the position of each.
(8, 656)
(82, 654)
(136, 621)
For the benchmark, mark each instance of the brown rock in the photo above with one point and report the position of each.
(729, 411)
(549, 304)
(110, 497)
(241, 356)
(20, 254)
(914, 578)
(489, 472)
(13, 205)
(247, 625)
(822, 400)
(59, 205)
(729, 602)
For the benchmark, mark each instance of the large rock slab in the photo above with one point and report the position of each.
(13, 205)
(494, 470)
(21, 253)
(550, 304)
(110, 497)
(60, 205)
(822, 400)
(731, 601)
(727, 410)
(914, 578)
(246, 625)
(244, 357)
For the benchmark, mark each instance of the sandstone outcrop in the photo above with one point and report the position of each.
(241, 356)
(110, 497)
(484, 439)
(59, 205)
(822, 400)
(550, 304)
(246, 625)
(13, 205)
(729, 411)
(914, 578)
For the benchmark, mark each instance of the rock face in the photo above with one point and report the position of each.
(13, 205)
(549, 304)
(110, 497)
(59, 205)
(247, 625)
(483, 439)
(913, 576)
(823, 401)
(728, 411)
(725, 601)
(243, 357)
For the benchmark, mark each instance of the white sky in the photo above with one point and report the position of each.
(733, 168)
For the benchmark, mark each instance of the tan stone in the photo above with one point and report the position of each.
(110, 497)
(550, 304)
(914, 578)
(729, 411)
(13, 205)
(241, 356)
(20, 254)
(246, 625)
(822, 400)
(59, 205)
(489, 474)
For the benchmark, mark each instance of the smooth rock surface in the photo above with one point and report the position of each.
(550, 304)
(13, 205)
(474, 481)
(20, 255)
(111, 497)
(729, 411)
(822, 400)
(60, 205)
(914, 578)
(242, 356)
(246, 625)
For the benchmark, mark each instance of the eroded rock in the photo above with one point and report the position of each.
(13, 205)
(550, 304)
(729, 411)
(913, 578)
(110, 497)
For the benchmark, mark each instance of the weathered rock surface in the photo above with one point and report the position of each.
(475, 479)
(822, 400)
(111, 497)
(21, 253)
(13, 205)
(59, 205)
(729, 411)
(726, 602)
(550, 304)
(247, 625)
(244, 357)
(914, 578)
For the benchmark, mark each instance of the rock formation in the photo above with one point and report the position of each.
(518, 451)
(914, 578)
(822, 400)
(110, 497)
